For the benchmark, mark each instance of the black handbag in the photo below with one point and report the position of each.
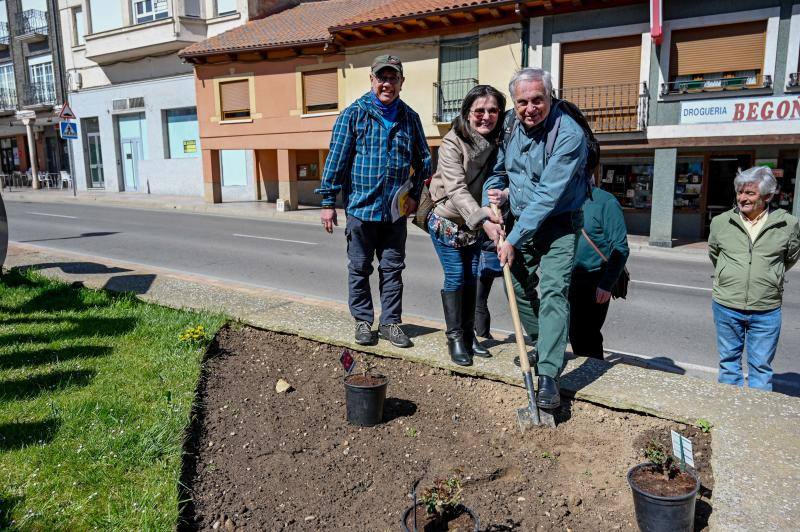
(620, 287)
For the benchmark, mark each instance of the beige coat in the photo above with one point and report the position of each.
(459, 177)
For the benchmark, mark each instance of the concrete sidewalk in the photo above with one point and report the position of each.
(264, 209)
(756, 435)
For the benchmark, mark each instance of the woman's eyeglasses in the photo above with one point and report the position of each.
(478, 113)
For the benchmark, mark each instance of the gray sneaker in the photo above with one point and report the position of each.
(395, 335)
(364, 334)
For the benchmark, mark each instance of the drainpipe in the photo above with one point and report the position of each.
(526, 33)
(55, 16)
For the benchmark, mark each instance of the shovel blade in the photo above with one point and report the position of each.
(527, 419)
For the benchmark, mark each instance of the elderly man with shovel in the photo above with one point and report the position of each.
(541, 172)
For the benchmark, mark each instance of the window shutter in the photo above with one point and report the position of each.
(320, 88)
(235, 96)
(728, 48)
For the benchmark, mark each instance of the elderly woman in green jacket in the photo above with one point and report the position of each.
(751, 248)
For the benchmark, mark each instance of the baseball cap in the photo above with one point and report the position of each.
(383, 61)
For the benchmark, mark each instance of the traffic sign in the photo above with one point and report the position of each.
(69, 130)
(66, 112)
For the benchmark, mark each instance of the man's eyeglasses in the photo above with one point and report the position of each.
(478, 113)
(394, 80)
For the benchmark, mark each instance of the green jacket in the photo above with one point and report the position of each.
(749, 275)
(604, 222)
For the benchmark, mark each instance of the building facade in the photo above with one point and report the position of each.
(134, 98)
(679, 102)
(31, 90)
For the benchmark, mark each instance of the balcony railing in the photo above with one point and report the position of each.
(757, 81)
(32, 22)
(794, 80)
(447, 97)
(39, 94)
(611, 108)
(4, 36)
(8, 99)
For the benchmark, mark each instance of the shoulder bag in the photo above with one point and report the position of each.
(620, 288)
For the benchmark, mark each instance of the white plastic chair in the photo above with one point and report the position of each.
(44, 179)
(66, 178)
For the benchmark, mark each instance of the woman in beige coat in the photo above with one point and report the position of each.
(466, 158)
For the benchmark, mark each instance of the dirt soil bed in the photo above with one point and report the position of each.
(262, 460)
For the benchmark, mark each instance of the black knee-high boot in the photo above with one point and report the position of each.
(468, 322)
(459, 352)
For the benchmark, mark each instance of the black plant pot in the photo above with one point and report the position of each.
(421, 513)
(364, 400)
(663, 514)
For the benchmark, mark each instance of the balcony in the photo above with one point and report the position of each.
(152, 38)
(39, 96)
(8, 101)
(4, 36)
(447, 97)
(621, 108)
(711, 85)
(32, 25)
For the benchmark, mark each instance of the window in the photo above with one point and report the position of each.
(458, 73)
(8, 89)
(78, 27)
(183, 136)
(149, 10)
(226, 7)
(235, 99)
(717, 58)
(191, 8)
(320, 91)
(41, 80)
(105, 15)
(233, 167)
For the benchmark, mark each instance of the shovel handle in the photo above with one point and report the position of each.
(524, 365)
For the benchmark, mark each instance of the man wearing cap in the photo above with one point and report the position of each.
(375, 144)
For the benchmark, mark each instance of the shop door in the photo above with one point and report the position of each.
(95, 160)
(722, 170)
(131, 155)
(51, 154)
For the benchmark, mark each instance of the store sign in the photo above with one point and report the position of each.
(189, 146)
(740, 110)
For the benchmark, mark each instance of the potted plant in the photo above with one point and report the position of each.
(664, 494)
(440, 508)
(365, 393)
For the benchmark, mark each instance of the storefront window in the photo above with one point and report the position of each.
(631, 182)
(786, 175)
(688, 183)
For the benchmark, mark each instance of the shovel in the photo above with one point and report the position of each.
(530, 416)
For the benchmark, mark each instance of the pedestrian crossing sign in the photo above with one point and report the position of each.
(69, 130)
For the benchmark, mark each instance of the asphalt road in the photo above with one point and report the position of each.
(665, 322)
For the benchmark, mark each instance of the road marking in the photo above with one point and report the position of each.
(276, 239)
(54, 215)
(704, 289)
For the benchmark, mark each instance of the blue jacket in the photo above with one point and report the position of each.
(368, 162)
(538, 188)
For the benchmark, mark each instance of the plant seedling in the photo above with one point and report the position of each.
(659, 457)
(411, 432)
(444, 497)
(705, 425)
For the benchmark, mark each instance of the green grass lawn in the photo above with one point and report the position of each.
(95, 397)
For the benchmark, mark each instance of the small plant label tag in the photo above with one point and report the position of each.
(347, 361)
(682, 448)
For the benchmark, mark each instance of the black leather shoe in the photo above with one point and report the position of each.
(478, 350)
(364, 334)
(548, 396)
(395, 335)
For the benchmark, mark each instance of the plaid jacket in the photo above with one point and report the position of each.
(368, 163)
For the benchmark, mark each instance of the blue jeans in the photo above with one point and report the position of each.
(758, 331)
(460, 265)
